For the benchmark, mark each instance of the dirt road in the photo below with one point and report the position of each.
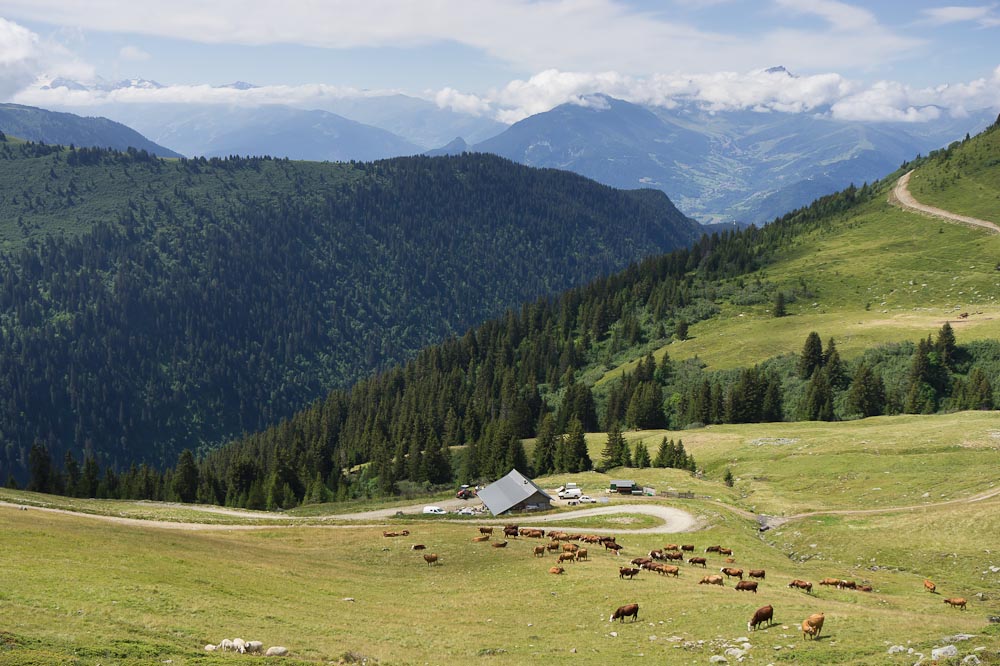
(900, 196)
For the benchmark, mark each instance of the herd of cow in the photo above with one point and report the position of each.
(567, 551)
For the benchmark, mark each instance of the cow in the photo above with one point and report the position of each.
(486, 530)
(688, 547)
(510, 531)
(865, 588)
(570, 547)
(639, 561)
(760, 616)
(847, 585)
(431, 558)
(812, 626)
(802, 585)
(552, 545)
(480, 539)
(567, 557)
(656, 554)
(555, 535)
(673, 556)
(611, 545)
(591, 538)
(669, 569)
(747, 585)
(539, 551)
(929, 586)
(627, 571)
(631, 610)
(713, 549)
(956, 602)
(732, 573)
(671, 546)
(833, 582)
(499, 544)
(608, 539)
(730, 560)
(581, 554)
(556, 570)
(418, 546)
(757, 573)
(537, 534)
(698, 560)
(725, 551)
(714, 579)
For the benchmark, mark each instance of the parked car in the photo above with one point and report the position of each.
(436, 510)
(466, 511)
(587, 499)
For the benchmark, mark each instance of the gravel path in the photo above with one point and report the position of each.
(900, 196)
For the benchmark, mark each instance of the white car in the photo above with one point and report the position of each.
(436, 510)
(587, 499)
(467, 511)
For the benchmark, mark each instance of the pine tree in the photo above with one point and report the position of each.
(866, 394)
(811, 357)
(641, 456)
(681, 329)
(543, 457)
(819, 398)
(578, 460)
(945, 346)
(779, 305)
(185, 481)
(611, 453)
(834, 367)
(39, 468)
(728, 478)
(979, 392)
(515, 457)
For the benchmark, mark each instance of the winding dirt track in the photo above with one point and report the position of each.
(900, 196)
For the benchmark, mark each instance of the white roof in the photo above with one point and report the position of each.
(509, 491)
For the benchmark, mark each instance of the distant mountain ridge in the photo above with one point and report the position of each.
(34, 124)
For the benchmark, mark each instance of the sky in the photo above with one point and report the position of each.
(903, 60)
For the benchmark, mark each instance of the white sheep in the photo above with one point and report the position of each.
(240, 645)
(226, 645)
(255, 647)
(210, 648)
(276, 651)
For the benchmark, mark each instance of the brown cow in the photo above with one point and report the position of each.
(673, 556)
(627, 571)
(538, 551)
(760, 616)
(713, 549)
(480, 539)
(725, 551)
(929, 586)
(553, 545)
(865, 588)
(639, 561)
(605, 539)
(611, 545)
(847, 585)
(499, 544)
(418, 546)
(556, 570)
(570, 547)
(747, 585)
(688, 547)
(656, 554)
(714, 579)
(757, 573)
(671, 546)
(812, 625)
(802, 585)
(566, 557)
(431, 558)
(631, 610)
(956, 602)
(581, 554)
(510, 531)
(732, 573)
(834, 582)
(699, 560)
(669, 569)
(730, 560)
(486, 530)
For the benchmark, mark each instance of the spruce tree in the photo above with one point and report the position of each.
(641, 456)
(543, 457)
(611, 453)
(866, 394)
(945, 346)
(834, 367)
(577, 458)
(185, 481)
(39, 468)
(664, 453)
(779, 305)
(811, 357)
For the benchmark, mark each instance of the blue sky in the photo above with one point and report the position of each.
(511, 58)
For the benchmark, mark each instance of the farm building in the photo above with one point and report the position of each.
(514, 492)
(623, 487)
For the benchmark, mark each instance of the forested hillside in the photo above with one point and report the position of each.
(148, 306)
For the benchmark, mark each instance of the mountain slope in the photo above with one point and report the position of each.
(148, 306)
(33, 124)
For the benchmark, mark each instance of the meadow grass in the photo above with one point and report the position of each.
(967, 182)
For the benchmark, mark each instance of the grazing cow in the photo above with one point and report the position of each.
(812, 626)
(536, 534)
(671, 546)
(747, 585)
(611, 545)
(631, 610)
(847, 585)
(510, 531)
(699, 560)
(834, 582)
(566, 557)
(725, 551)
(581, 554)
(486, 530)
(556, 570)
(714, 579)
(276, 651)
(865, 588)
(713, 549)
(480, 539)
(956, 602)
(760, 616)
(802, 585)
(688, 547)
(539, 551)
(757, 573)
(431, 558)
(627, 571)
(730, 560)
(570, 547)
(418, 546)
(556, 535)
(639, 561)
(523, 531)
(673, 556)
(606, 539)
(656, 554)
(552, 545)
(732, 573)
(669, 570)
(499, 544)
(929, 586)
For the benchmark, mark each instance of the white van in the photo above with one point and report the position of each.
(436, 510)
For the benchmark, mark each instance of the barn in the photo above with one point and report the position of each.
(624, 487)
(514, 492)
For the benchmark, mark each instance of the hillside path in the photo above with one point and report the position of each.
(900, 196)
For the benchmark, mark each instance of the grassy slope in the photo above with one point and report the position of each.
(967, 182)
(79, 586)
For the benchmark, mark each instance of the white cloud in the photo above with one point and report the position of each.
(449, 98)
(959, 14)
(24, 55)
(133, 53)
